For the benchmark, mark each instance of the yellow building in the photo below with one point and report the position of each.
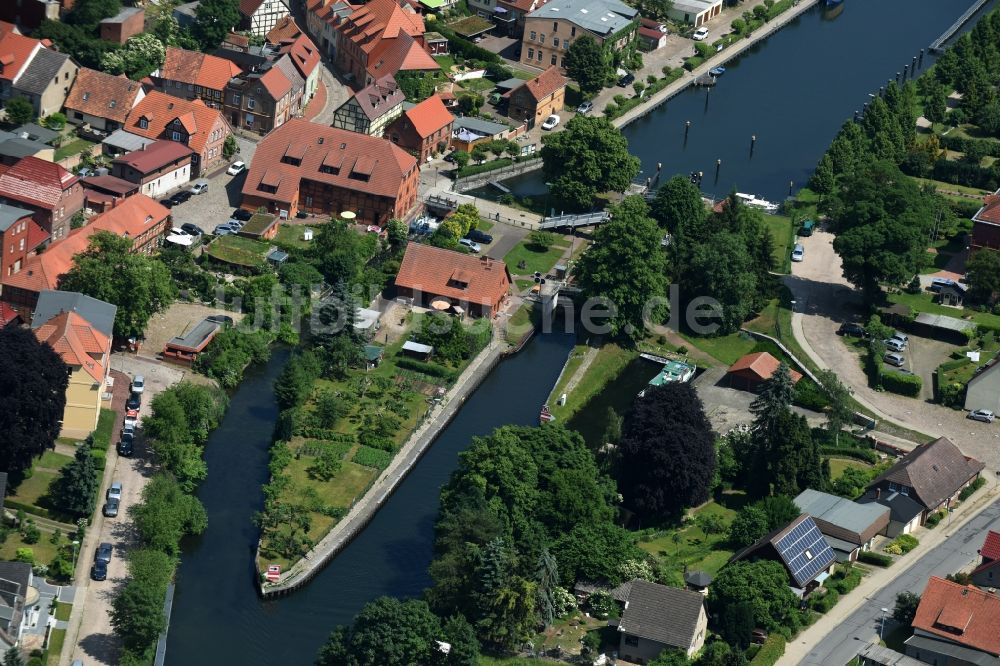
(80, 329)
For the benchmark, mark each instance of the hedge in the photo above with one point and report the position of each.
(325, 434)
(821, 603)
(459, 45)
(961, 144)
(27, 508)
(971, 488)
(770, 652)
(690, 64)
(934, 519)
(492, 165)
(878, 559)
(369, 457)
(864, 455)
(432, 369)
(778, 8)
(902, 383)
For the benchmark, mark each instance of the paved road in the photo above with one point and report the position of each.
(856, 630)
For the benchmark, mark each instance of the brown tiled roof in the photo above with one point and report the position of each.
(14, 52)
(198, 69)
(991, 546)
(236, 39)
(371, 23)
(36, 182)
(961, 614)
(401, 54)
(666, 615)
(160, 109)
(110, 183)
(462, 277)
(304, 54)
(990, 212)
(285, 28)
(545, 83)
(762, 365)
(317, 143)
(935, 471)
(74, 339)
(429, 116)
(102, 95)
(155, 156)
(276, 83)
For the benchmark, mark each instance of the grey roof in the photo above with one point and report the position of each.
(944, 321)
(287, 67)
(694, 6)
(666, 615)
(902, 509)
(698, 578)
(122, 15)
(602, 17)
(841, 545)
(186, 13)
(127, 141)
(959, 653)
(40, 71)
(98, 314)
(277, 256)
(417, 347)
(14, 146)
(851, 518)
(194, 338)
(510, 84)
(11, 214)
(36, 132)
(935, 471)
(380, 97)
(620, 593)
(877, 654)
(479, 126)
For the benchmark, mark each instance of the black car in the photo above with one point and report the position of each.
(125, 448)
(851, 329)
(110, 509)
(103, 553)
(220, 319)
(181, 197)
(479, 236)
(241, 215)
(167, 203)
(99, 571)
(192, 229)
(134, 401)
(627, 80)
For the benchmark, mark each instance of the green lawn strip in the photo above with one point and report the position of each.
(727, 349)
(63, 610)
(53, 460)
(484, 225)
(572, 364)
(237, 250)
(290, 235)
(923, 302)
(535, 261)
(74, 147)
(522, 74)
(523, 284)
(690, 545)
(520, 323)
(54, 650)
(33, 489)
(44, 550)
(608, 364)
(445, 62)
(783, 234)
(941, 185)
(838, 465)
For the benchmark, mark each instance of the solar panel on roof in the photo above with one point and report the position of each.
(805, 552)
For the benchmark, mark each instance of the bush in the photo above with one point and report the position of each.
(770, 652)
(693, 62)
(934, 519)
(432, 369)
(902, 383)
(808, 395)
(844, 579)
(821, 603)
(864, 455)
(369, 457)
(492, 165)
(877, 559)
(971, 488)
(906, 543)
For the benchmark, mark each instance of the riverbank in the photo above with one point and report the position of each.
(382, 488)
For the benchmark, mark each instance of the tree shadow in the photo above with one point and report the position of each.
(102, 647)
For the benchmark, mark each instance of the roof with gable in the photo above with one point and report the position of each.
(934, 471)
(379, 97)
(98, 314)
(368, 25)
(990, 212)
(285, 28)
(403, 53)
(287, 67)
(524, 6)
(160, 109)
(666, 615)
(200, 69)
(129, 218)
(111, 184)
(76, 341)
(42, 69)
(36, 182)
(991, 546)
(276, 83)
(463, 277)
(102, 95)
(902, 509)
(304, 54)
(384, 163)
(841, 518)
(7, 314)
(961, 614)
(800, 546)
(429, 116)
(545, 84)
(15, 52)
(602, 17)
(155, 156)
(11, 214)
(761, 366)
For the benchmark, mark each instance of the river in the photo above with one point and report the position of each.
(792, 91)
(217, 616)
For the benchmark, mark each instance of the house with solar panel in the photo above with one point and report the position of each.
(849, 527)
(801, 548)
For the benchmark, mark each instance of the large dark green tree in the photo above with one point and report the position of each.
(137, 607)
(75, 490)
(19, 110)
(678, 203)
(763, 585)
(984, 276)
(33, 399)
(627, 267)
(167, 514)
(213, 21)
(667, 452)
(180, 421)
(588, 158)
(588, 64)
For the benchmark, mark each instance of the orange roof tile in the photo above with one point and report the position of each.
(991, 546)
(102, 95)
(305, 55)
(160, 109)
(36, 182)
(15, 52)
(546, 83)
(761, 364)
(400, 54)
(284, 29)
(429, 116)
(964, 615)
(990, 212)
(75, 340)
(276, 83)
(463, 277)
(381, 19)
(198, 69)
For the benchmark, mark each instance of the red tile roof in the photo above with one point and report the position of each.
(7, 314)
(991, 546)
(964, 615)
(276, 83)
(160, 109)
(429, 116)
(15, 52)
(102, 95)
(462, 277)
(378, 20)
(320, 144)
(546, 83)
(36, 235)
(36, 182)
(130, 218)
(155, 156)
(651, 33)
(304, 54)
(762, 365)
(284, 29)
(198, 69)
(75, 340)
(990, 212)
(402, 53)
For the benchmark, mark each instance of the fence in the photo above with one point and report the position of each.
(480, 179)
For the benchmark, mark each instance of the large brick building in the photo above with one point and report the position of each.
(986, 224)
(324, 170)
(200, 128)
(552, 28)
(381, 38)
(537, 99)
(48, 190)
(423, 129)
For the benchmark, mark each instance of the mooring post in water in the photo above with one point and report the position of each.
(920, 63)
(855, 115)
(897, 77)
(687, 128)
(753, 141)
(659, 167)
(791, 184)
(906, 69)
(718, 165)
(913, 66)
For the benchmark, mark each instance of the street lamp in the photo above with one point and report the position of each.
(881, 630)
(75, 544)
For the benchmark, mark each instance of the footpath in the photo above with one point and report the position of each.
(407, 456)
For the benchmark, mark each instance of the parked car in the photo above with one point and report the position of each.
(199, 187)
(110, 509)
(138, 384)
(192, 229)
(626, 80)
(892, 358)
(236, 167)
(128, 431)
(131, 418)
(798, 252)
(852, 329)
(125, 448)
(984, 415)
(586, 107)
(241, 214)
(894, 345)
(115, 490)
(84, 172)
(900, 337)
(167, 203)
(99, 571)
(550, 122)
(103, 553)
(235, 225)
(223, 230)
(479, 236)
(474, 247)
(181, 197)
(700, 34)
(134, 401)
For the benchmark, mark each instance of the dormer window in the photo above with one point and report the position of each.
(143, 123)
(112, 104)
(86, 96)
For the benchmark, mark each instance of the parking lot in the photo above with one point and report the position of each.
(215, 206)
(727, 408)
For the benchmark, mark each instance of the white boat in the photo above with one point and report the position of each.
(762, 204)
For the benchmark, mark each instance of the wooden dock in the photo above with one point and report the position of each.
(938, 43)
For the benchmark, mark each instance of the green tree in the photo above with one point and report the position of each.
(763, 585)
(140, 285)
(137, 607)
(213, 21)
(780, 510)
(936, 104)
(735, 624)
(823, 180)
(461, 158)
(88, 13)
(141, 55)
(19, 110)
(55, 121)
(841, 412)
(167, 514)
(326, 465)
(627, 268)
(678, 202)
(13, 657)
(180, 421)
(775, 397)
(75, 490)
(587, 158)
(671, 657)
(546, 584)
(588, 64)
(749, 525)
(984, 276)
(295, 383)
(667, 452)
(229, 147)
(906, 608)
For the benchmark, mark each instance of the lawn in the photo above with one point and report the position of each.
(484, 225)
(54, 650)
(237, 250)
(691, 546)
(290, 235)
(838, 465)
(567, 633)
(573, 362)
(606, 366)
(74, 147)
(519, 323)
(445, 61)
(44, 550)
(535, 260)
(727, 349)
(63, 610)
(31, 490)
(470, 26)
(53, 460)
(924, 302)
(782, 232)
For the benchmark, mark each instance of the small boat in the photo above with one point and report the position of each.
(674, 372)
(717, 71)
(763, 204)
(545, 416)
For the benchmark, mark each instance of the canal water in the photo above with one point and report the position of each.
(792, 91)
(217, 616)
